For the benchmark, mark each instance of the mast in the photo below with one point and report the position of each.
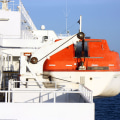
(4, 4)
(66, 18)
(80, 23)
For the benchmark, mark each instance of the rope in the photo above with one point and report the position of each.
(60, 79)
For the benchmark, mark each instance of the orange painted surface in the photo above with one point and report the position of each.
(99, 55)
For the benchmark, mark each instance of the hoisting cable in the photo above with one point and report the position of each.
(34, 60)
(56, 48)
(61, 79)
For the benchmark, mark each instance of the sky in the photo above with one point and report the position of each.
(100, 18)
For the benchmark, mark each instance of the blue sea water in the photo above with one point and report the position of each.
(107, 108)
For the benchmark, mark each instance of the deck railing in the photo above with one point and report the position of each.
(25, 13)
(63, 87)
(7, 62)
(8, 96)
(86, 92)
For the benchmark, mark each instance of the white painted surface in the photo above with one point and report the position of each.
(46, 111)
(11, 27)
(50, 33)
(16, 29)
(102, 83)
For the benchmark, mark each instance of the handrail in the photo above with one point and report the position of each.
(23, 10)
(8, 95)
(13, 82)
(8, 62)
(11, 6)
(11, 36)
(86, 93)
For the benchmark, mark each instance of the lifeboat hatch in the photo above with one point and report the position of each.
(82, 80)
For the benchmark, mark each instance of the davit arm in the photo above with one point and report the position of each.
(38, 58)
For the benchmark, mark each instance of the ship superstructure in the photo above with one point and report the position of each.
(24, 89)
(19, 34)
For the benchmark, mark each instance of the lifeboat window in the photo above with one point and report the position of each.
(98, 68)
(78, 49)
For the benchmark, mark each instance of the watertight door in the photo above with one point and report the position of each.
(82, 80)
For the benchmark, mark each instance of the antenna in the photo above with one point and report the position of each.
(66, 18)
(80, 23)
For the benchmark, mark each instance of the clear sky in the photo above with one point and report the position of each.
(100, 18)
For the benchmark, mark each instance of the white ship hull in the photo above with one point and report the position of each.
(101, 83)
(48, 111)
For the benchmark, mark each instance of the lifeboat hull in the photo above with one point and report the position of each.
(101, 83)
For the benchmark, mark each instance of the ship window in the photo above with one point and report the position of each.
(78, 49)
(15, 58)
(4, 19)
(45, 38)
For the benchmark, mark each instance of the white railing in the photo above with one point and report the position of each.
(7, 62)
(86, 92)
(11, 6)
(59, 86)
(11, 36)
(55, 84)
(65, 96)
(24, 12)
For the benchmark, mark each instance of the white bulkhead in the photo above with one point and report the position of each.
(10, 24)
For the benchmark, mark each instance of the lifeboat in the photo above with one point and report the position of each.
(93, 65)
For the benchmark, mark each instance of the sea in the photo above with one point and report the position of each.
(107, 108)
